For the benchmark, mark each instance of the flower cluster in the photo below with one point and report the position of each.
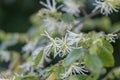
(27, 66)
(75, 68)
(50, 7)
(5, 55)
(111, 37)
(65, 45)
(29, 46)
(106, 6)
(7, 76)
(62, 48)
(77, 38)
(53, 23)
(71, 7)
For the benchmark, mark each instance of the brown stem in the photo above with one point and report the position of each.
(87, 17)
(106, 77)
(116, 32)
(111, 72)
(83, 11)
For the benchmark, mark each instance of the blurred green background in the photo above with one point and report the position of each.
(15, 18)
(15, 14)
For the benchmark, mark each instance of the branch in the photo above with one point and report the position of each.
(83, 11)
(116, 32)
(111, 72)
(106, 77)
(88, 16)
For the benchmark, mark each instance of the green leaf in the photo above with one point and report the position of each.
(105, 54)
(77, 77)
(67, 17)
(73, 56)
(81, 77)
(18, 78)
(108, 47)
(52, 76)
(58, 71)
(104, 24)
(38, 58)
(72, 77)
(107, 59)
(93, 77)
(93, 49)
(93, 63)
(30, 77)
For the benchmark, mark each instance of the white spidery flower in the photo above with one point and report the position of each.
(65, 46)
(28, 66)
(71, 7)
(49, 23)
(19, 75)
(111, 37)
(5, 56)
(8, 78)
(61, 46)
(105, 7)
(7, 75)
(97, 41)
(76, 38)
(52, 45)
(29, 47)
(75, 68)
(52, 25)
(62, 26)
(51, 7)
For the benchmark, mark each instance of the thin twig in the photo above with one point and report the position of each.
(116, 32)
(87, 17)
(106, 77)
(111, 72)
(83, 11)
